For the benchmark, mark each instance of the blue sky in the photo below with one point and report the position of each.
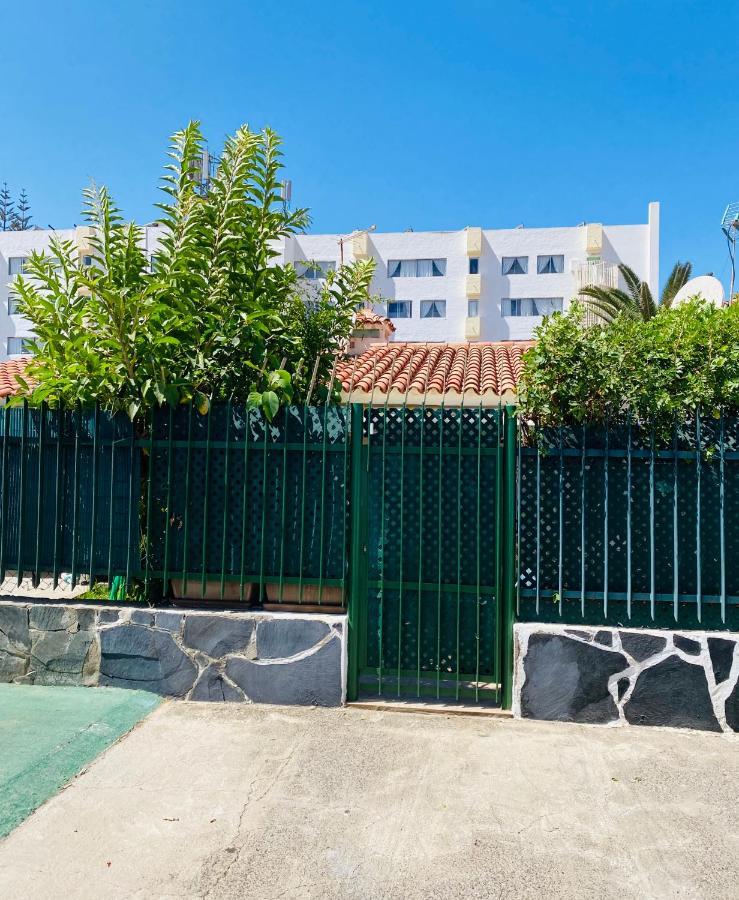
(430, 115)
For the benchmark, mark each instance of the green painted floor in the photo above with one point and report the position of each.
(47, 734)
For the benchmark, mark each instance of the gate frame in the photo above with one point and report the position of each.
(505, 551)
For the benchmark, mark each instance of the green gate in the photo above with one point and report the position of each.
(432, 563)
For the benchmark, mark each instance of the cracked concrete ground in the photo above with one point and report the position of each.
(210, 800)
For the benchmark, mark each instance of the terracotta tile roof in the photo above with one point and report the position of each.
(481, 370)
(8, 370)
(370, 317)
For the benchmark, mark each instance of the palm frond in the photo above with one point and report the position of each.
(633, 282)
(607, 303)
(679, 276)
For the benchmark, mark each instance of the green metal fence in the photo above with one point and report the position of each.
(619, 525)
(214, 505)
(436, 523)
(69, 489)
(235, 500)
(432, 595)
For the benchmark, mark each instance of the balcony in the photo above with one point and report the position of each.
(473, 286)
(596, 273)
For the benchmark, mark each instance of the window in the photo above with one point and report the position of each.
(474, 265)
(87, 261)
(317, 269)
(16, 264)
(399, 309)
(515, 265)
(550, 265)
(531, 306)
(416, 268)
(433, 309)
(17, 345)
(13, 304)
(366, 333)
(473, 308)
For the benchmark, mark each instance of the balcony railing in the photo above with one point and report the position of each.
(597, 273)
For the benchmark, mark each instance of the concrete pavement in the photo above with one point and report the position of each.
(216, 800)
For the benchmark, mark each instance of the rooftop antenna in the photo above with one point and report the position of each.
(730, 227)
(286, 193)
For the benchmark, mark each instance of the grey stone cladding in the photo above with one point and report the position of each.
(682, 679)
(258, 657)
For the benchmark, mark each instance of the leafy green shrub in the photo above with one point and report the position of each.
(212, 316)
(657, 372)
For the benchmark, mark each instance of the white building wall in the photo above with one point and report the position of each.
(635, 245)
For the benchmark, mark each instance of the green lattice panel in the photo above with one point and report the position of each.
(432, 530)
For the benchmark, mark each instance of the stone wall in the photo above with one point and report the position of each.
(220, 656)
(626, 676)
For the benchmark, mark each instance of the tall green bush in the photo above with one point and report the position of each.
(656, 371)
(212, 316)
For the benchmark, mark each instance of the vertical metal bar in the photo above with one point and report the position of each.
(168, 505)
(40, 492)
(226, 498)
(322, 526)
(245, 503)
(95, 474)
(460, 422)
(499, 578)
(583, 532)
(186, 512)
(76, 490)
(131, 504)
(628, 518)
(538, 527)
(478, 598)
(284, 500)
(4, 508)
(560, 521)
(722, 538)
(383, 546)
(22, 492)
(149, 503)
(57, 492)
(675, 525)
(419, 598)
(440, 488)
(508, 550)
(651, 527)
(605, 519)
(264, 516)
(519, 473)
(206, 496)
(358, 590)
(404, 413)
(302, 499)
(113, 420)
(698, 571)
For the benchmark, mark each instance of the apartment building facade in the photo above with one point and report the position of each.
(472, 284)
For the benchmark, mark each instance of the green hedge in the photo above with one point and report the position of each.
(682, 359)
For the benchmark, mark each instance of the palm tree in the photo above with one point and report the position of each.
(636, 301)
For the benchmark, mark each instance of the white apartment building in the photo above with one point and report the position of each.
(473, 284)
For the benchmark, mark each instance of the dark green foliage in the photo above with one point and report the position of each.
(7, 209)
(679, 360)
(21, 218)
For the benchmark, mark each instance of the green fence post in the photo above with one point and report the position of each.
(508, 554)
(357, 599)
